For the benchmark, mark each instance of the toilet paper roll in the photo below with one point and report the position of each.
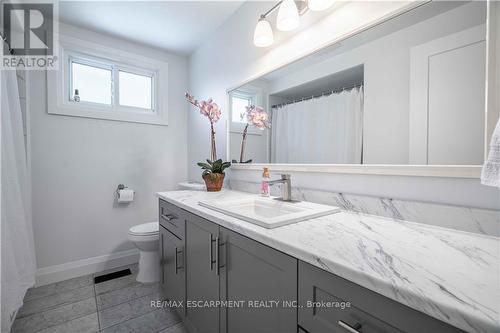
(126, 195)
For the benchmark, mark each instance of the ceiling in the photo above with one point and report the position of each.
(176, 26)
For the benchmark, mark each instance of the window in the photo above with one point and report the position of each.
(239, 102)
(101, 82)
(90, 83)
(135, 90)
(106, 83)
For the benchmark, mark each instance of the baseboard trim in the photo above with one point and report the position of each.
(56, 273)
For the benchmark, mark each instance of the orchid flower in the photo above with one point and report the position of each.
(208, 108)
(256, 116)
(211, 110)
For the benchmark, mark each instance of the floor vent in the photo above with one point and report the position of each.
(111, 276)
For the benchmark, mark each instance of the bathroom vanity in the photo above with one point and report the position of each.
(344, 272)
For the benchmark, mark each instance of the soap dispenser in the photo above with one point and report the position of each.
(264, 188)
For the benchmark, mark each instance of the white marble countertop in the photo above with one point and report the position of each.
(451, 275)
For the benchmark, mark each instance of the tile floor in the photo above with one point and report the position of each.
(80, 306)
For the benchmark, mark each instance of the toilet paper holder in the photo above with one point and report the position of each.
(120, 187)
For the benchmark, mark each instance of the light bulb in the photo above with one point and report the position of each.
(317, 5)
(263, 34)
(288, 16)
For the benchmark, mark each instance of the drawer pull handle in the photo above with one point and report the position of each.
(175, 263)
(217, 265)
(210, 251)
(217, 255)
(162, 261)
(353, 329)
(168, 217)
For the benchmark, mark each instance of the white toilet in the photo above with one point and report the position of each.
(145, 237)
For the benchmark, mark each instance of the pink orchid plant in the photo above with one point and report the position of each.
(257, 117)
(211, 110)
(208, 108)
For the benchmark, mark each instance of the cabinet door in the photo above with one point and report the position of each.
(250, 271)
(202, 281)
(173, 277)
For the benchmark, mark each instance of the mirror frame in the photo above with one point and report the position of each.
(449, 171)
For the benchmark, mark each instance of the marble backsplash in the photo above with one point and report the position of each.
(476, 220)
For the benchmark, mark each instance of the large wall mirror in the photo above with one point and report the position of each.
(409, 91)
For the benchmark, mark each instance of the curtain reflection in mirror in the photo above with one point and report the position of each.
(326, 129)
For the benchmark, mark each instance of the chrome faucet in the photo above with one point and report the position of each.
(286, 189)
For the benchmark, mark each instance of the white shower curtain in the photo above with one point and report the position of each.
(17, 247)
(324, 130)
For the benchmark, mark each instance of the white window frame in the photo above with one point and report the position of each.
(240, 95)
(136, 71)
(60, 91)
(255, 94)
(86, 61)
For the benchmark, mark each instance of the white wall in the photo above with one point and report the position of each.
(77, 164)
(256, 147)
(211, 74)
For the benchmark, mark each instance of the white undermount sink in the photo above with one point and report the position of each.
(268, 212)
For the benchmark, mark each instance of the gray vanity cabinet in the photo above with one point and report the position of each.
(202, 281)
(222, 265)
(172, 277)
(205, 264)
(368, 312)
(251, 271)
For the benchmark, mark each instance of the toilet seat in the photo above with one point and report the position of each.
(145, 229)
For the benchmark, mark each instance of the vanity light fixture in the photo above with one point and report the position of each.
(263, 35)
(288, 19)
(319, 5)
(288, 16)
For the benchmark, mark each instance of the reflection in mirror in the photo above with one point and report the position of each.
(408, 91)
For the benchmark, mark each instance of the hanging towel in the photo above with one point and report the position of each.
(490, 174)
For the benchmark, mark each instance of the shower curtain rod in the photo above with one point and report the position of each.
(11, 51)
(326, 93)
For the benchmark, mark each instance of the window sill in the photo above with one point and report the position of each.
(249, 132)
(238, 128)
(95, 112)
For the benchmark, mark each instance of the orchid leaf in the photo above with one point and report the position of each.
(204, 165)
(217, 166)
